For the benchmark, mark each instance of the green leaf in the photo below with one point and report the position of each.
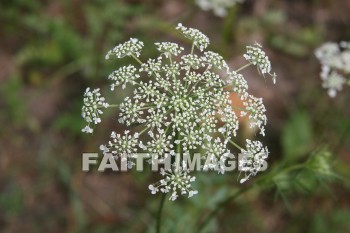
(297, 135)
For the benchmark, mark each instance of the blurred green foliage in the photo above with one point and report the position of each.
(10, 94)
(337, 221)
(59, 47)
(297, 135)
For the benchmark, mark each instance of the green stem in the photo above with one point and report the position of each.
(243, 67)
(192, 49)
(144, 130)
(178, 161)
(236, 145)
(171, 61)
(292, 168)
(159, 215)
(138, 60)
(113, 105)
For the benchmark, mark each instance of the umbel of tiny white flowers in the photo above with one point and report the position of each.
(256, 56)
(181, 103)
(219, 7)
(175, 181)
(335, 61)
(91, 111)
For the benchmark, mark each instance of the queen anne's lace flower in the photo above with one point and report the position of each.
(216, 154)
(152, 66)
(160, 146)
(253, 159)
(91, 111)
(124, 75)
(332, 81)
(176, 181)
(230, 122)
(200, 40)
(214, 59)
(219, 7)
(256, 109)
(122, 146)
(256, 56)
(335, 61)
(191, 61)
(181, 103)
(131, 48)
(169, 48)
(238, 83)
(130, 112)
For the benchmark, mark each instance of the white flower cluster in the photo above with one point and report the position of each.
(256, 109)
(181, 104)
(200, 40)
(130, 48)
(121, 144)
(91, 110)
(256, 56)
(219, 7)
(254, 158)
(124, 75)
(335, 61)
(175, 181)
(169, 48)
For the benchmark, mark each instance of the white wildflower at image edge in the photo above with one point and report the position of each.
(219, 7)
(181, 105)
(335, 62)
